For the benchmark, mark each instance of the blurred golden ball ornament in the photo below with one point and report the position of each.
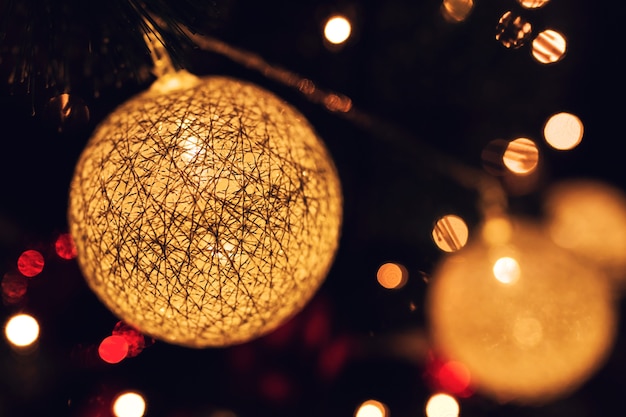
(588, 217)
(529, 321)
(205, 215)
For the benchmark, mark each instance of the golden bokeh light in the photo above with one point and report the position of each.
(521, 156)
(371, 408)
(513, 31)
(549, 46)
(533, 4)
(450, 233)
(563, 131)
(496, 230)
(442, 405)
(536, 338)
(392, 275)
(207, 216)
(337, 29)
(588, 217)
(337, 103)
(22, 330)
(129, 404)
(506, 270)
(456, 10)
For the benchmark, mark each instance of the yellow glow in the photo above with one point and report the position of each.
(531, 342)
(456, 10)
(22, 330)
(207, 217)
(527, 331)
(506, 270)
(129, 404)
(521, 156)
(563, 131)
(337, 30)
(170, 82)
(450, 233)
(532, 4)
(549, 47)
(497, 230)
(442, 405)
(392, 275)
(588, 218)
(371, 408)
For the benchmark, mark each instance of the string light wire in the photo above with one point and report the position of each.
(492, 197)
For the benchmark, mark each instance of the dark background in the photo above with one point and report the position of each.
(430, 90)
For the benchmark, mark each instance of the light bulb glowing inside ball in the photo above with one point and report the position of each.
(528, 320)
(205, 216)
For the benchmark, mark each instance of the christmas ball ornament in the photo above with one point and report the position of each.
(528, 320)
(205, 215)
(588, 217)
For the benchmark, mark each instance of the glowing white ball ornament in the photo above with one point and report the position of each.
(529, 321)
(207, 214)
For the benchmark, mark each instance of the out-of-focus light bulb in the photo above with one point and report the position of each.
(64, 246)
(496, 230)
(521, 156)
(456, 10)
(534, 333)
(588, 218)
(532, 4)
(392, 275)
(113, 349)
(506, 270)
(549, 47)
(337, 30)
(22, 330)
(442, 405)
(129, 404)
(563, 131)
(371, 408)
(30, 263)
(450, 233)
(513, 31)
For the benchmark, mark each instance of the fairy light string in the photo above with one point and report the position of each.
(492, 197)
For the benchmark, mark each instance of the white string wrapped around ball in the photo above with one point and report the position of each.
(205, 215)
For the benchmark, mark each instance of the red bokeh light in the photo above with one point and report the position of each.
(276, 386)
(113, 349)
(30, 263)
(316, 327)
(14, 287)
(64, 246)
(451, 377)
(334, 357)
(135, 340)
(454, 377)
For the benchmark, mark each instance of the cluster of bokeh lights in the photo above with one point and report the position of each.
(22, 330)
